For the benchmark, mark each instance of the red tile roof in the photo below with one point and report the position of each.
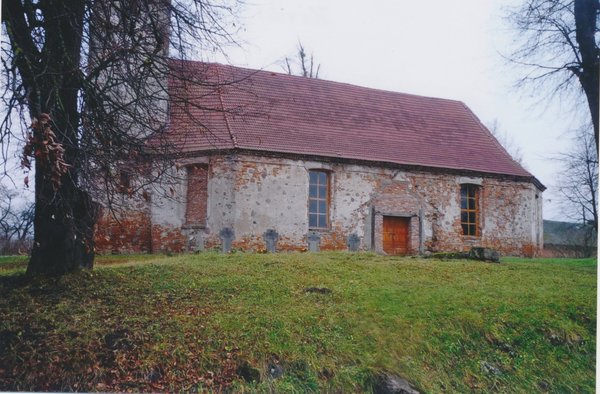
(267, 111)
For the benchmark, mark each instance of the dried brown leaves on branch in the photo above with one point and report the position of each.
(102, 71)
(48, 153)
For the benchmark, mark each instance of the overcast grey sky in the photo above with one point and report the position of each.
(438, 48)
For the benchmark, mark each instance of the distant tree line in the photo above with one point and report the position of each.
(16, 224)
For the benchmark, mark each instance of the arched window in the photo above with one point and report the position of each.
(469, 214)
(318, 199)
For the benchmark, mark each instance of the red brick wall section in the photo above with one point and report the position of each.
(395, 198)
(128, 235)
(168, 239)
(197, 196)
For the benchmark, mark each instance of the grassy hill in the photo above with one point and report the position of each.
(331, 322)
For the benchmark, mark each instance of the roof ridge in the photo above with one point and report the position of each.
(218, 66)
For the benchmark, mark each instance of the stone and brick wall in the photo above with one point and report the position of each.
(396, 198)
(510, 214)
(251, 194)
(125, 229)
(196, 196)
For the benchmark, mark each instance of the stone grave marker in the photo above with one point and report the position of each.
(353, 242)
(314, 239)
(271, 237)
(227, 236)
(195, 242)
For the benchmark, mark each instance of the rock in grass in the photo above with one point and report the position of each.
(481, 254)
(275, 370)
(484, 254)
(544, 385)
(392, 384)
(489, 369)
(118, 340)
(505, 347)
(555, 339)
(152, 377)
(247, 372)
(564, 340)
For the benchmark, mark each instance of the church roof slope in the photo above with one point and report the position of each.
(247, 109)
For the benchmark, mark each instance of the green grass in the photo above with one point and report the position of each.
(11, 265)
(194, 320)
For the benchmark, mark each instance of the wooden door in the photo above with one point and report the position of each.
(395, 235)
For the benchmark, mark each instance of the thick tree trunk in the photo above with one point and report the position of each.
(64, 214)
(586, 14)
(64, 232)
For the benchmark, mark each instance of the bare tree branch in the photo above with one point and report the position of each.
(306, 66)
(100, 73)
(577, 184)
(557, 44)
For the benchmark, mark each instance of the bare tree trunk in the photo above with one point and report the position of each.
(64, 232)
(586, 14)
(94, 76)
(64, 215)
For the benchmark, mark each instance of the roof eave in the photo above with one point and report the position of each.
(348, 160)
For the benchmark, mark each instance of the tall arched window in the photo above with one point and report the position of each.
(318, 199)
(468, 210)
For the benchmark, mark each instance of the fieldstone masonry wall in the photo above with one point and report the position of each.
(196, 196)
(252, 194)
(395, 197)
(126, 229)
